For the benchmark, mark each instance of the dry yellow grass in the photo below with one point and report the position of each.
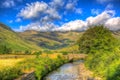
(52, 56)
(4, 63)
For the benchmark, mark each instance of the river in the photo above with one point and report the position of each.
(69, 71)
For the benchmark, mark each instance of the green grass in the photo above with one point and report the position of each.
(12, 40)
(105, 64)
(42, 65)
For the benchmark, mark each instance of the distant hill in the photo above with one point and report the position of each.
(10, 39)
(51, 40)
(116, 34)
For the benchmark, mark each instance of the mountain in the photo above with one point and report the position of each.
(11, 40)
(35, 40)
(51, 40)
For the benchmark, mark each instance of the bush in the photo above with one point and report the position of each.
(10, 73)
(27, 52)
(5, 50)
(38, 54)
(64, 53)
(96, 38)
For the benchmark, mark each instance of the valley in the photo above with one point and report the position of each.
(45, 52)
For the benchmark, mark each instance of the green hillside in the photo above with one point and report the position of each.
(11, 40)
(51, 40)
(34, 40)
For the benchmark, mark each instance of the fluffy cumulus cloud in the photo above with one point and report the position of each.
(101, 18)
(44, 15)
(77, 25)
(106, 18)
(40, 11)
(36, 26)
(113, 23)
(49, 10)
(33, 10)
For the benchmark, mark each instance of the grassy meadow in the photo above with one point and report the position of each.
(11, 68)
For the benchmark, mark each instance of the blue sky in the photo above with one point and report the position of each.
(49, 15)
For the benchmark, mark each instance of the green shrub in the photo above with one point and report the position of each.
(96, 38)
(42, 65)
(10, 73)
(64, 53)
(5, 50)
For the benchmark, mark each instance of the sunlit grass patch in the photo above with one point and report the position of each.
(5, 63)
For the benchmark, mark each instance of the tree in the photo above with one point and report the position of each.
(95, 39)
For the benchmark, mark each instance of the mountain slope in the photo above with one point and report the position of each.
(51, 40)
(12, 40)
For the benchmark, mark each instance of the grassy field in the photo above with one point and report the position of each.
(11, 68)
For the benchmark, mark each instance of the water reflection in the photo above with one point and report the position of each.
(68, 71)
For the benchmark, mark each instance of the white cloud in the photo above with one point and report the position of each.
(95, 11)
(8, 3)
(36, 26)
(57, 3)
(47, 13)
(53, 13)
(40, 10)
(106, 18)
(33, 10)
(113, 23)
(18, 20)
(109, 6)
(78, 10)
(70, 6)
(77, 25)
(101, 18)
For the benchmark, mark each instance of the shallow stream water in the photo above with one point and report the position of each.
(69, 71)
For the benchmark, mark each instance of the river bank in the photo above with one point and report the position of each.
(72, 71)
